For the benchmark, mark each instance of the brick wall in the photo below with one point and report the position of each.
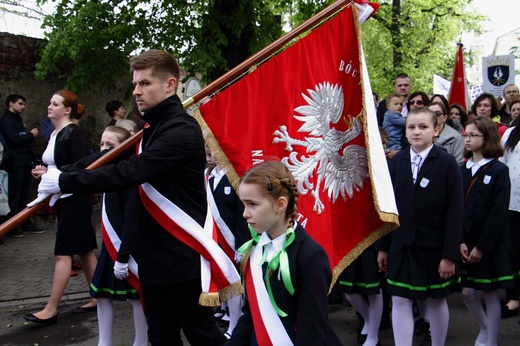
(17, 65)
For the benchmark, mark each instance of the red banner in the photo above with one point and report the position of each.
(458, 90)
(305, 106)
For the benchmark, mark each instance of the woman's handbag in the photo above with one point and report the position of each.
(4, 200)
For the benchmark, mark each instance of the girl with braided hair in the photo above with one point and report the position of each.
(286, 273)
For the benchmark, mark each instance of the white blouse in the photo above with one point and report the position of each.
(512, 159)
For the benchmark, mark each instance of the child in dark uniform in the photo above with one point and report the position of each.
(486, 258)
(110, 279)
(424, 250)
(286, 304)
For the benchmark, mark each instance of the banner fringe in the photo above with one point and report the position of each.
(216, 150)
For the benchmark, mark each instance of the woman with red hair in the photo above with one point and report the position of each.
(75, 232)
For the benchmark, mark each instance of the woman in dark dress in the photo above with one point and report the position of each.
(75, 233)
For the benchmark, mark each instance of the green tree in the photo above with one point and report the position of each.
(417, 37)
(89, 41)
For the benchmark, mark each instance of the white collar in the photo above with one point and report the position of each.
(277, 242)
(424, 153)
(470, 163)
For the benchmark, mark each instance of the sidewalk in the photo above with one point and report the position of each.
(27, 267)
(26, 270)
(26, 273)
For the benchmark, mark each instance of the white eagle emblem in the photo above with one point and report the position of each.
(341, 167)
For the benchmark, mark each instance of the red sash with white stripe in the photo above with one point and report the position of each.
(112, 243)
(226, 238)
(269, 329)
(182, 226)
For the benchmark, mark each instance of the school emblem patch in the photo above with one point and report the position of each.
(498, 74)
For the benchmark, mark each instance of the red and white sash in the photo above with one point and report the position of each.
(226, 238)
(209, 296)
(112, 243)
(182, 226)
(269, 329)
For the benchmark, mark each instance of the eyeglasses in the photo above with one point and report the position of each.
(419, 102)
(438, 113)
(471, 135)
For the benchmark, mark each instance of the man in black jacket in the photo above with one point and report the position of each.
(169, 170)
(18, 163)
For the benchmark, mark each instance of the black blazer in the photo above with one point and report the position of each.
(172, 161)
(307, 322)
(430, 211)
(71, 145)
(17, 139)
(486, 212)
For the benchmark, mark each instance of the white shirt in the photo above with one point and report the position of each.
(272, 246)
(424, 154)
(217, 173)
(512, 159)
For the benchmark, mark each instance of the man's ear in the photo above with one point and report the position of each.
(171, 85)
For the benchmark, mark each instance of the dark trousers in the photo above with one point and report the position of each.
(20, 180)
(168, 308)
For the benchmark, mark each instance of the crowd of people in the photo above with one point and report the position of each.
(455, 175)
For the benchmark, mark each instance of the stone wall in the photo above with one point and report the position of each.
(17, 65)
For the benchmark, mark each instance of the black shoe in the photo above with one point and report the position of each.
(385, 322)
(506, 312)
(82, 310)
(47, 321)
(15, 233)
(427, 341)
(420, 326)
(219, 313)
(223, 324)
(33, 230)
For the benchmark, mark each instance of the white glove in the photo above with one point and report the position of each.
(50, 182)
(121, 270)
(40, 198)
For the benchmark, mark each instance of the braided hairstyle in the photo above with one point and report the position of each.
(275, 180)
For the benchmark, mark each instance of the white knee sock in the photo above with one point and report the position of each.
(140, 326)
(105, 314)
(470, 298)
(235, 311)
(359, 303)
(402, 321)
(493, 312)
(375, 311)
(439, 316)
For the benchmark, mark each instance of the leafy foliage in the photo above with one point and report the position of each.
(417, 37)
(89, 41)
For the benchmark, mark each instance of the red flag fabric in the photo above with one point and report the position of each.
(458, 90)
(306, 106)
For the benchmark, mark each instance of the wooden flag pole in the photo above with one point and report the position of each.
(215, 86)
